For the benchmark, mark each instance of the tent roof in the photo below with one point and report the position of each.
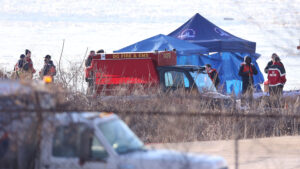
(163, 42)
(200, 31)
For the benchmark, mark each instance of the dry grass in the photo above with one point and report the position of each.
(3, 74)
(175, 127)
(144, 114)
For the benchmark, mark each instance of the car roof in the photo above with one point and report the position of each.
(9, 87)
(84, 117)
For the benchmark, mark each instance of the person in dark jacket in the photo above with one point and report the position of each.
(21, 61)
(274, 55)
(276, 79)
(88, 61)
(49, 68)
(19, 67)
(247, 70)
(213, 74)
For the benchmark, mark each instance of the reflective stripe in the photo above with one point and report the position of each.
(281, 74)
(276, 84)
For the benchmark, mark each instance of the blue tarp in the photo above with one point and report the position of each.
(200, 31)
(227, 64)
(162, 42)
(230, 51)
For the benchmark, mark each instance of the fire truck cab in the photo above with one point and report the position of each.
(148, 69)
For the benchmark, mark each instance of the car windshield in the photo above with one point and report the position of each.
(120, 137)
(203, 82)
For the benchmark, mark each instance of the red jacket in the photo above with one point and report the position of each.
(246, 72)
(214, 76)
(276, 74)
(247, 68)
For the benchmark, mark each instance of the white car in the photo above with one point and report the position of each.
(78, 140)
(105, 141)
(92, 141)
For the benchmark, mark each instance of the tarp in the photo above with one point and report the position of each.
(228, 64)
(162, 42)
(230, 51)
(200, 31)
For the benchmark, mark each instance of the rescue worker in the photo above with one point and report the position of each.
(18, 68)
(21, 61)
(247, 70)
(28, 69)
(274, 55)
(276, 79)
(88, 61)
(213, 74)
(49, 68)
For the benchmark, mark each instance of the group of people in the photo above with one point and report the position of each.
(276, 73)
(24, 69)
(276, 79)
(275, 82)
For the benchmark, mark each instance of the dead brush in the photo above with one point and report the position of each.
(3, 74)
(143, 110)
(177, 128)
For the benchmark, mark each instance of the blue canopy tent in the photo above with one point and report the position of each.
(161, 42)
(228, 49)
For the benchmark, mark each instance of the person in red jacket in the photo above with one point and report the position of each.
(274, 55)
(247, 70)
(29, 61)
(276, 78)
(213, 74)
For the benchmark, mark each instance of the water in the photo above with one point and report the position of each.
(42, 25)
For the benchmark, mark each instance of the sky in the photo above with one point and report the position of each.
(42, 25)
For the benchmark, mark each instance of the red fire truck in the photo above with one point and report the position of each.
(147, 69)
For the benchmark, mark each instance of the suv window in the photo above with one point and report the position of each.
(98, 152)
(176, 79)
(66, 141)
(203, 82)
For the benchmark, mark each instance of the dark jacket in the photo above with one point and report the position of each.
(246, 72)
(88, 61)
(213, 74)
(49, 69)
(270, 64)
(21, 63)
